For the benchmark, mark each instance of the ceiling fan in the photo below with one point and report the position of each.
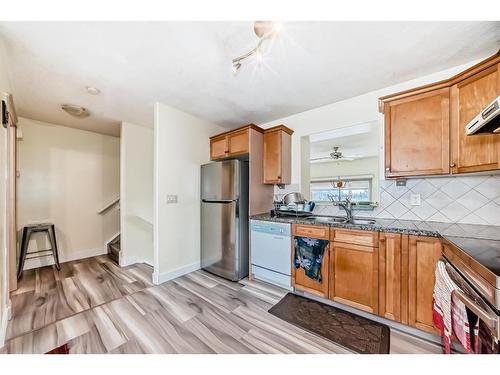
(335, 155)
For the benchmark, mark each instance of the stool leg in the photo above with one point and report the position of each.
(53, 243)
(24, 249)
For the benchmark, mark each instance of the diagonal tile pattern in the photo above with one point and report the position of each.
(468, 200)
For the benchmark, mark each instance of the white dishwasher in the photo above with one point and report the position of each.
(270, 252)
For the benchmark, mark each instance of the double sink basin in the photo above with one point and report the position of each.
(342, 220)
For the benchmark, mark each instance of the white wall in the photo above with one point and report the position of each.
(181, 147)
(136, 194)
(360, 109)
(66, 177)
(4, 294)
(477, 209)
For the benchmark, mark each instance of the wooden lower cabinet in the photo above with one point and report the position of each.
(302, 282)
(423, 255)
(354, 276)
(393, 277)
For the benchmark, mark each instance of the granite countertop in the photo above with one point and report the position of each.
(411, 227)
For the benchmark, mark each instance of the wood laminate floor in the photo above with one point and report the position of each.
(107, 309)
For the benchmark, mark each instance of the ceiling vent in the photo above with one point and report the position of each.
(75, 111)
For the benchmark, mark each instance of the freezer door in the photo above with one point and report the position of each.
(219, 238)
(220, 180)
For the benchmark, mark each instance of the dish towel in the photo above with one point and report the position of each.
(462, 323)
(308, 255)
(441, 306)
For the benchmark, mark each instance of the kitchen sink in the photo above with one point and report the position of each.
(364, 221)
(337, 219)
(328, 219)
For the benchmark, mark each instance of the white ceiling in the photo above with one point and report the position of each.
(187, 65)
(357, 141)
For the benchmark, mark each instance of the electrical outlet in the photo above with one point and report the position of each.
(171, 199)
(415, 200)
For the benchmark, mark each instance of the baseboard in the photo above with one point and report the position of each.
(127, 261)
(163, 277)
(48, 261)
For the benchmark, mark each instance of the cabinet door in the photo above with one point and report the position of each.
(218, 148)
(424, 253)
(302, 282)
(417, 135)
(238, 143)
(391, 276)
(272, 158)
(478, 152)
(354, 276)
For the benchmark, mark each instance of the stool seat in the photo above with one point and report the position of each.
(28, 230)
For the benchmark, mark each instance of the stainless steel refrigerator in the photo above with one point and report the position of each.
(224, 218)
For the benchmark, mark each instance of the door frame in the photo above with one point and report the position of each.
(10, 124)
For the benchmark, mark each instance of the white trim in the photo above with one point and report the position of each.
(3, 326)
(49, 260)
(163, 277)
(127, 261)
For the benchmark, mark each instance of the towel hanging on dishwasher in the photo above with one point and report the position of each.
(308, 255)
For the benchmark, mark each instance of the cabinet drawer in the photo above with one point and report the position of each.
(355, 237)
(311, 231)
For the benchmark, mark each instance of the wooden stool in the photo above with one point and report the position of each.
(28, 230)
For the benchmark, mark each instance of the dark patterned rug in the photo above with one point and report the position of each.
(64, 349)
(342, 327)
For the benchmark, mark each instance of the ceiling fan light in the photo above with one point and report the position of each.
(75, 111)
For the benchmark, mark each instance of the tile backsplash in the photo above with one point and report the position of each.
(462, 199)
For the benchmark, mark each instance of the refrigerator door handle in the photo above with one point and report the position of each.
(218, 201)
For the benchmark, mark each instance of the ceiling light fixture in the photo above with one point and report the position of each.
(264, 30)
(92, 90)
(75, 111)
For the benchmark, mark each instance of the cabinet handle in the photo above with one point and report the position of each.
(453, 165)
(387, 169)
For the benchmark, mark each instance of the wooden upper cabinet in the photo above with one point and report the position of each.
(417, 135)
(231, 144)
(393, 258)
(277, 155)
(423, 255)
(469, 97)
(425, 126)
(218, 148)
(238, 143)
(354, 275)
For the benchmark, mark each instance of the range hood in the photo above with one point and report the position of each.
(487, 121)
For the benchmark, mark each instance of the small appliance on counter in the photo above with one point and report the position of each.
(292, 204)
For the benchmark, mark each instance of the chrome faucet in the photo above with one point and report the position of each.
(347, 206)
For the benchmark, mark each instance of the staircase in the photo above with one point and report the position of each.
(114, 249)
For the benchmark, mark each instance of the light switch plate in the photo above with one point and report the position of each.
(171, 199)
(415, 200)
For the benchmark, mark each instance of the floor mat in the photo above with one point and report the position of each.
(342, 327)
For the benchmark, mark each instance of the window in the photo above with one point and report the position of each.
(357, 190)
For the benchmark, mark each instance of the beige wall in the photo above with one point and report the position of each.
(136, 197)
(181, 147)
(4, 295)
(66, 177)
